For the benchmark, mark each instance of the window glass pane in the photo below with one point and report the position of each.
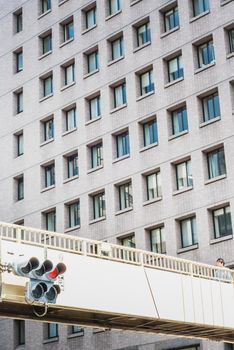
(150, 133)
(211, 107)
(68, 31)
(146, 82)
(19, 102)
(206, 54)
(51, 221)
(52, 330)
(99, 206)
(158, 243)
(71, 119)
(129, 242)
(72, 165)
(171, 19)
(19, 22)
(231, 40)
(184, 175)
(69, 74)
(92, 62)
(175, 67)
(200, 6)
(115, 5)
(143, 34)
(48, 130)
(74, 214)
(76, 329)
(48, 87)
(45, 5)
(94, 107)
(123, 145)
(179, 120)
(188, 232)
(90, 18)
(222, 222)
(216, 163)
(20, 144)
(96, 154)
(117, 48)
(49, 175)
(120, 95)
(47, 44)
(125, 194)
(19, 61)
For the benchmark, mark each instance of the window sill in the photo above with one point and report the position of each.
(121, 158)
(51, 340)
(95, 169)
(62, 2)
(211, 121)
(46, 97)
(145, 95)
(138, 48)
(88, 29)
(186, 189)
(97, 220)
(69, 131)
(149, 146)
(221, 239)
(134, 2)
(45, 55)
(214, 179)
(169, 32)
(113, 15)
(172, 137)
(69, 229)
(199, 16)
(47, 188)
(91, 73)
(225, 2)
(187, 249)
(119, 212)
(46, 142)
(230, 55)
(198, 70)
(71, 179)
(173, 82)
(75, 335)
(118, 108)
(115, 60)
(67, 86)
(44, 14)
(66, 42)
(150, 201)
(93, 120)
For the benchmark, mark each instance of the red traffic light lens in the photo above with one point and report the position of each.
(59, 269)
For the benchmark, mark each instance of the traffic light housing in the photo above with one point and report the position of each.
(42, 276)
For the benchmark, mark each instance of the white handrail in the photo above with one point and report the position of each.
(114, 252)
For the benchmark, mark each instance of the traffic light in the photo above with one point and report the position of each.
(42, 285)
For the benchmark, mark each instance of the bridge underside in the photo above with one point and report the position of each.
(109, 321)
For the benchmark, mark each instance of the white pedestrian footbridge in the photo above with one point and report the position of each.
(116, 287)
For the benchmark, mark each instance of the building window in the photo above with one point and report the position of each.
(48, 127)
(45, 6)
(222, 222)
(18, 21)
(188, 231)
(47, 85)
(125, 196)
(90, 18)
(117, 48)
(19, 101)
(50, 221)
(20, 144)
(146, 82)
(99, 206)
(184, 177)
(46, 42)
(52, 329)
(20, 332)
(114, 6)
(179, 120)
(200, 6)
(20, 187)
(70, 117)
(129, 241)
(154, 187)
(143, 34)
(171, 19)
(68, 31)
(231, 40)
(74, 214)
(94, 107)
(211, 107)
(69, 74)
(175, 68)
(206, 54)
(216, 163)
(76, 329)
(157, 240)
(122, 144)
(49, 175)
(120, 97)
(19, 60)
(150, 132)
(97, 155)
(92, 62)
(72, 165)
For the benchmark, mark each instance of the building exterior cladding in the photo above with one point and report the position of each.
(96, 96)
